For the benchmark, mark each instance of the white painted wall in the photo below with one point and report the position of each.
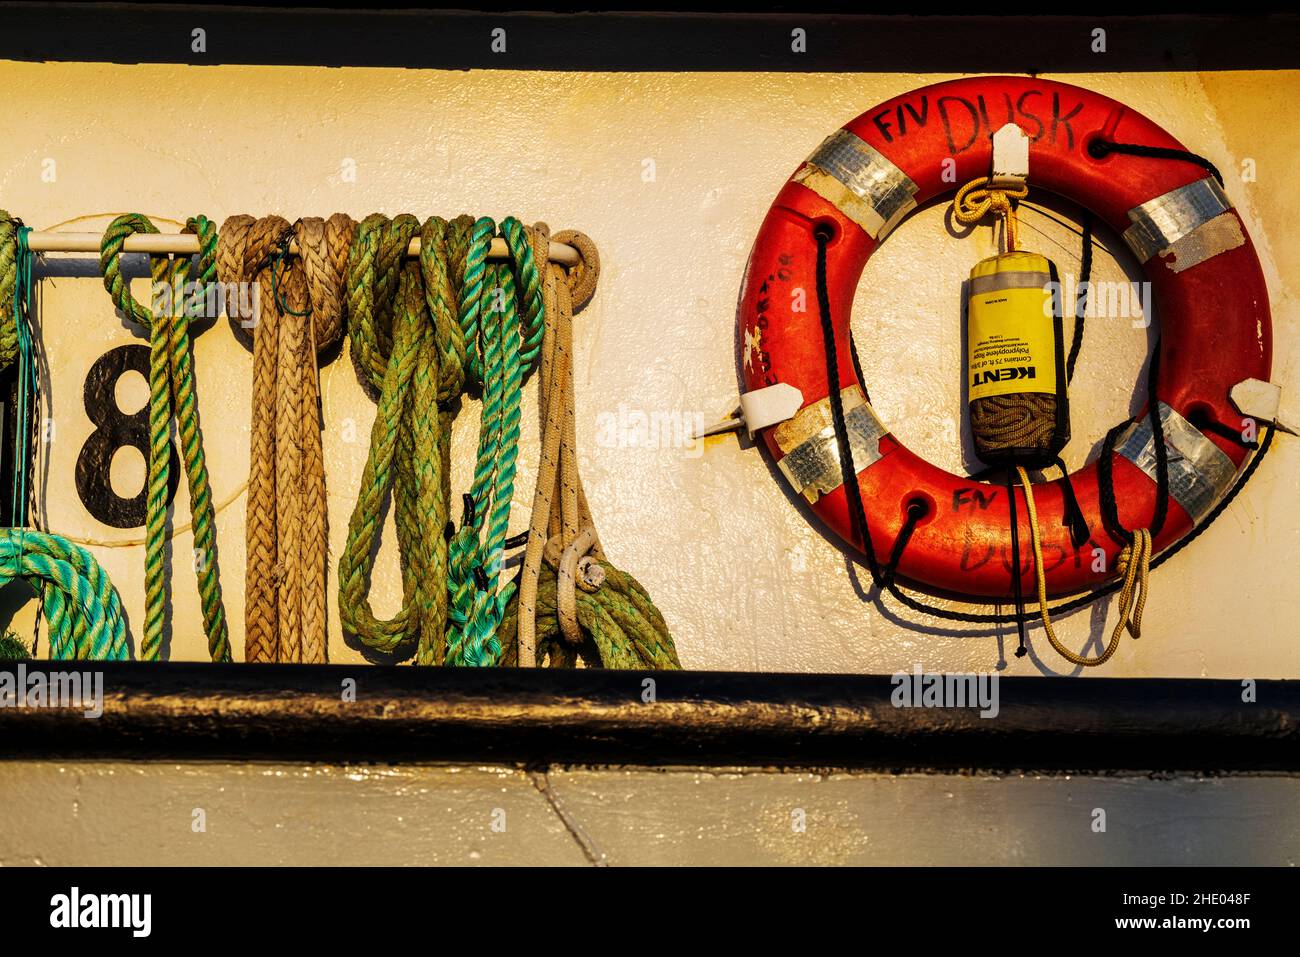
(743, 581)
(165, 814)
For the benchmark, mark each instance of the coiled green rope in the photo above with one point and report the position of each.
(79, 602)
(621, 626)
(171, 392)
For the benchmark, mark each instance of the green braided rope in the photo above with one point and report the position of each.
(80, 604)
(396, 347)
(484, 648)
(191, 440)
(447, 361)
(503, 341)
(8, 286)
(171, 391)
(472, 279)
(530, 282)
(418, 339)
(467, 638)
(15, 319)
(621, 626)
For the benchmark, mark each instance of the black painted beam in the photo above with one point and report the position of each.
(688, 41)
(298, 712)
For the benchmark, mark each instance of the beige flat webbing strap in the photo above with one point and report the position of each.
(560, 511)
(298, 312)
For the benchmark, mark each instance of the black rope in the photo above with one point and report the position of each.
(1087, 598)
(1224, 431)
(1016, 592)
(915, 512)
(848, 473)
(1100, 149)
(1073, 515)
(1081, 300)
(1105, 473)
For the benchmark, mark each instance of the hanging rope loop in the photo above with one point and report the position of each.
(1134, 564)
(9, 229)
(171, 394)
(980, 197)
(583, 277)
(393, 347)
(286, 529)
(509, 326)
(570, 604)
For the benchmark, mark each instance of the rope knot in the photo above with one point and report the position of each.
(980, 197)
(573, 569)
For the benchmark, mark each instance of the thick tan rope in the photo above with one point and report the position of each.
(285, 527)
(560, 511)
(1134, 565)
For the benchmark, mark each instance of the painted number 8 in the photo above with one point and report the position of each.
(116, 430)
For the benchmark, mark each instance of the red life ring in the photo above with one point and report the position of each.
(1216, 329)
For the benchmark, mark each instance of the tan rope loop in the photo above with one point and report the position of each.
(323, 252)
(566, 570)
(298, 311)
(560, 511)
(582, 278)
(1134, 564)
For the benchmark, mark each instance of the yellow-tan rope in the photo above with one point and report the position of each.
(560, 511)
(571, 605)
(299, 312)
(979, 197)
(1134, 564)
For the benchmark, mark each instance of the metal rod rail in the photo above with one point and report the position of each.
(188, 244)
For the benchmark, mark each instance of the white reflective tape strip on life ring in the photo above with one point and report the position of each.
(811, 463)
(859, 181)
(1193, 223)
(1200, 473)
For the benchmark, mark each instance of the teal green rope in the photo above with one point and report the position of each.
(79, 602)
(501, 347)
(22, 309)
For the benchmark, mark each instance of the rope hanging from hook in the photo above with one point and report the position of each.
(298, 313)
(171, 394)
(572, 604)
